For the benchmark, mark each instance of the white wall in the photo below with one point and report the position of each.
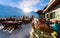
(57, 12)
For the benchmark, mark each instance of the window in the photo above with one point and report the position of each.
(52, 15)
(47, 15)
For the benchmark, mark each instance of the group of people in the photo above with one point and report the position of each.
(51, 24)
(15, 23)
(11, 24)
(55, 25)
(27, 19)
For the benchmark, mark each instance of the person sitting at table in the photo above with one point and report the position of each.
(11, 19)
(32, 18)
(56, 27)
(26, 20)
(4, 19)
(23, 18)
(7, 19)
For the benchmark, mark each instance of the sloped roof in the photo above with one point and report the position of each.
(40, 11)
(52, 4)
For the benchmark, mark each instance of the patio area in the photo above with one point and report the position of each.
(23, 33)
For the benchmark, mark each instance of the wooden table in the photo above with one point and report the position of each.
(11, 24)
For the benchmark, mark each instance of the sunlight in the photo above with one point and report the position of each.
(26, 10)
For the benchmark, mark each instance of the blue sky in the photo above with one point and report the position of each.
(26, 5)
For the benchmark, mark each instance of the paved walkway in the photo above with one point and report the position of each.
(23, 33)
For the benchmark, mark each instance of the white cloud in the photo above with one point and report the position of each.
(8, 2)
(27, 10)
(28, 4)
(25, 5)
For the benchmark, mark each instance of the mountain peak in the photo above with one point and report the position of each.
(10, 11)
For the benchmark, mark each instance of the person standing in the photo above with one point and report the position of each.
(48, 22)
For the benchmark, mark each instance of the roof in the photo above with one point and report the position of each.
(52, 4)
(40, 11)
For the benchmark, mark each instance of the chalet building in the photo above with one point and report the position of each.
(40, 14)
(52, 11)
